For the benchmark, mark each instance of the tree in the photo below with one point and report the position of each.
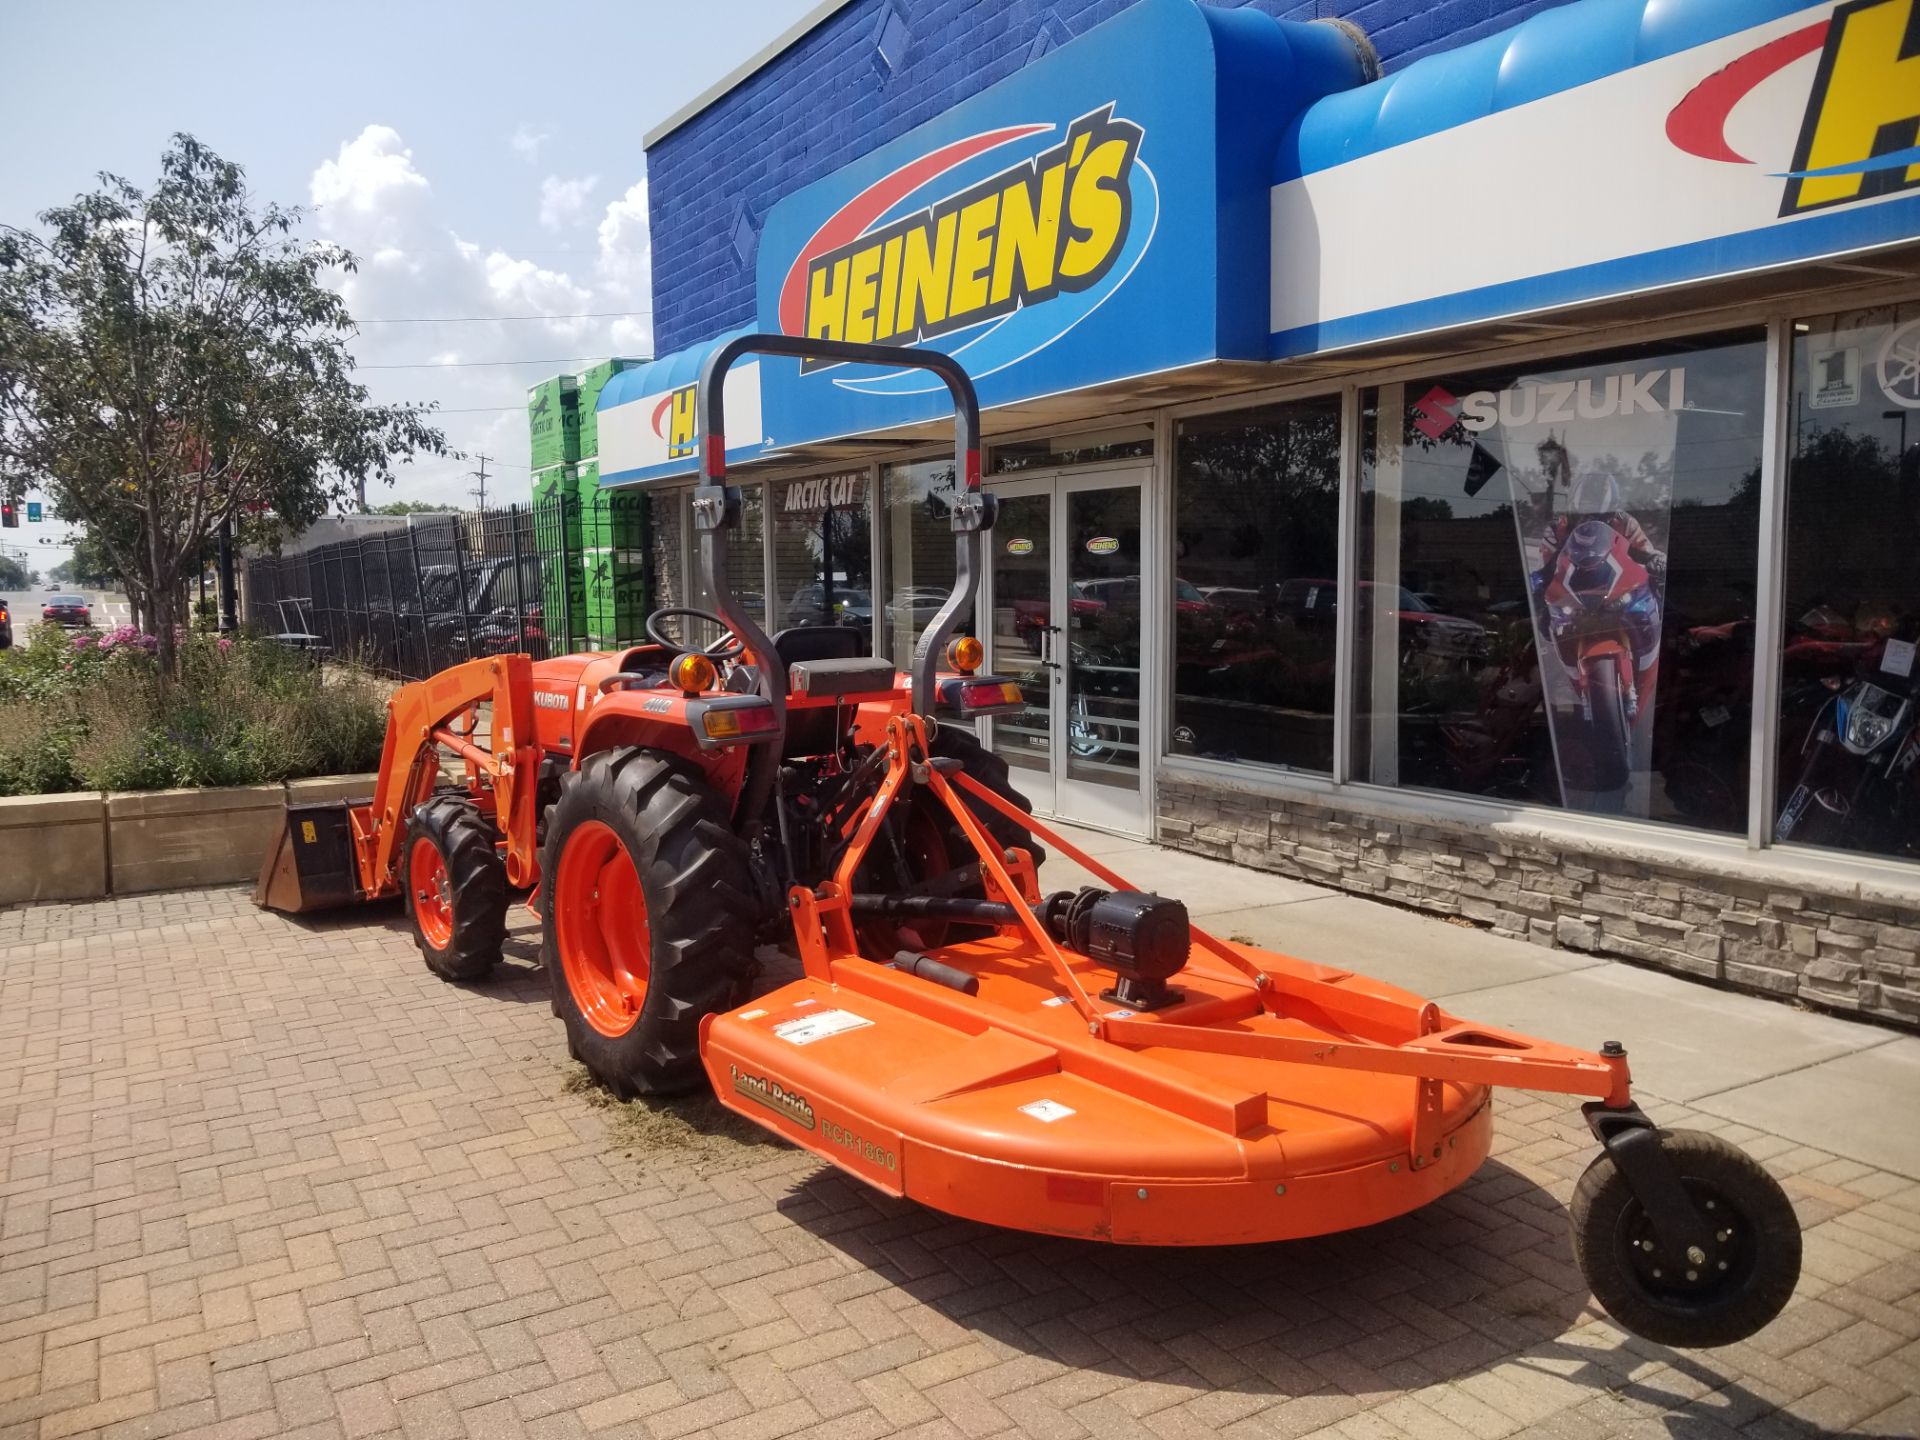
(409, 507)
(88, 569)
(173, 360)
(16, 576)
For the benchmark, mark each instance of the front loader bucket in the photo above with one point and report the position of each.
(310, 865)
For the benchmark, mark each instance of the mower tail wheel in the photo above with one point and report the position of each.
(455, 887)
(1715, 1294)
(649, 917)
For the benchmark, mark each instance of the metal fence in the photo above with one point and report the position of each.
(446, 588)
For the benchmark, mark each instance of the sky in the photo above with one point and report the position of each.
(482, 159)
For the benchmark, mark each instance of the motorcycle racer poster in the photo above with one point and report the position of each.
(1595, 523)
(1592, 507)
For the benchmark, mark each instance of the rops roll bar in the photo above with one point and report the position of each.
(716, 511)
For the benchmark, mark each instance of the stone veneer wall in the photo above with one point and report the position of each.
(1757, 924)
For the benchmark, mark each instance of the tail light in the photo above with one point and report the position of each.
(731, 720)
(971, 696)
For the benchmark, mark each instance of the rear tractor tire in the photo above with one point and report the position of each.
(650, 917)
(958, 742)
(455, 887)
(934, 843)
(1718, 1297)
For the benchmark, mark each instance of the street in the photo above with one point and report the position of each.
(109, 608)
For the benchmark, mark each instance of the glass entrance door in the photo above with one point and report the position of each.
(1066, 594)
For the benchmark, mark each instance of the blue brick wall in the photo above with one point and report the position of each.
(826, 101)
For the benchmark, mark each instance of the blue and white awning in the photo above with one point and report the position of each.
(647, 416)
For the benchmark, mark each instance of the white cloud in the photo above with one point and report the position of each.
(373, 198)
(625, 268)
(562, 202)
(526, 141)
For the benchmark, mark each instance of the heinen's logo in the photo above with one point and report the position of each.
(1051, 224)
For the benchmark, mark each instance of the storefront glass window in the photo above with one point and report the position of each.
(1849, 756)
(919, 545)
(822, 551)
(668, 517)
(746, 556)
(1130, 442)
(1557, 581)
(1256, 521)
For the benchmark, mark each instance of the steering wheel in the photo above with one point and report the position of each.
(728, 647)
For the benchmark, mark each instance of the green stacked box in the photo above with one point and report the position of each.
(591, 382)
(553, 421)
(558, 537)
(614, 535)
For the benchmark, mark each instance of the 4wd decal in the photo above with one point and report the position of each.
(1054, 224)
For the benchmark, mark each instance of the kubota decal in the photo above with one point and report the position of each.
(1056, 223)
(1860, 135)
(673, 421)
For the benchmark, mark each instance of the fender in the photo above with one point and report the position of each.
(657, 719)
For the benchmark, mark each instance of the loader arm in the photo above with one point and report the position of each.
(419, 718)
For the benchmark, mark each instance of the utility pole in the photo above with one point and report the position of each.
(479, 491)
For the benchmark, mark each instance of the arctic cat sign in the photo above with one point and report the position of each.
(1051, 224)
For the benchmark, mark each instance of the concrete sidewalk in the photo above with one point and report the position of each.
(1849, 1088)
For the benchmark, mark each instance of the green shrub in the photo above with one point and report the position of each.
(91, 714)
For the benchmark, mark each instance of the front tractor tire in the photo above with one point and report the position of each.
(650, 917)
(1722, 1295)
(456, 889)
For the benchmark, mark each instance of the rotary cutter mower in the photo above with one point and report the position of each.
(1089, 1063)
(1080, 1062)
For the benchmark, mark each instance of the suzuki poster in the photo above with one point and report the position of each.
(1572, 578)
(1592, 502)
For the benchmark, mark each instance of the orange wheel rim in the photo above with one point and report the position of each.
(600, 917)
(432, 893)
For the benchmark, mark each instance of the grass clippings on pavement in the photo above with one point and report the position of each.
(695, 1123)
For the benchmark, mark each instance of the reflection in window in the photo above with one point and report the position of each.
(1256, 502)
(1849, 758)
(1129, 442)
(1557, 582)
(822, 552)
(920, 552)
(746, 561)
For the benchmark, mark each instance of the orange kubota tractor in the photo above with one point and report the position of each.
(1085, 1062)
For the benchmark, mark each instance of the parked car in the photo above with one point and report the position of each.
(916, 606)
(6, 627)
(1423, 630)
(851, 606)
(67, 610)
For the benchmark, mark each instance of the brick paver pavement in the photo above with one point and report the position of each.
(266, 1177)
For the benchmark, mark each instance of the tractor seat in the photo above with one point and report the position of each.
(853, 675)
(802, 643)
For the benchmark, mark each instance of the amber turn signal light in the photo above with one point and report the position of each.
(965, 654)
(692, 673)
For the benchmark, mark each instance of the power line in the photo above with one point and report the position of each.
(476, 319)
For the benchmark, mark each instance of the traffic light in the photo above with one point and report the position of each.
(9, 514)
